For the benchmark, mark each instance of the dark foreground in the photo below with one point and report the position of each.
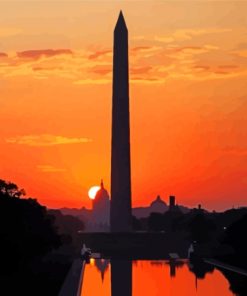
(148, 245)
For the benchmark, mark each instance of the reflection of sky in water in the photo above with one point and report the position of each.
(151, 278)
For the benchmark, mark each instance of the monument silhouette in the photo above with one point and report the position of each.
(120, 214)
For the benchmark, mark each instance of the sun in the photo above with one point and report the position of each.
(93, 191)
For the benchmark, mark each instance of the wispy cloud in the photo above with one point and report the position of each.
(3, 55)
(187, 34)
(200, 68)
(227, 67)
(150, 62)
(140, 70)
(45, 140)
(101, 69)
(182, 35)
(38, 68)
(140, 48)
(99, 53)
(92, 81)
(144, 51)
(49, 169)
(140, 80)
(39, 53)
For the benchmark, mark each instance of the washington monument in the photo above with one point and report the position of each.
(120, 217)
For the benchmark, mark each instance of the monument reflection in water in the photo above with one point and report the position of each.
(146, 278)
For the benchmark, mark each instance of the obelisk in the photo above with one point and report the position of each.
(120, 218)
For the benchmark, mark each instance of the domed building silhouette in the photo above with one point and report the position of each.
(158, 205)
(101, 210)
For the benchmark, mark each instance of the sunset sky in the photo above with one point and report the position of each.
(188, 99)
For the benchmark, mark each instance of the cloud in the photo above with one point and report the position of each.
(221, 69)
(187, 51)
(202, 67)
(45, 140)
(144, 51)
(99, 53)
(45, 64)
(92, 81)
(175, 62)
(140, 70)
(184, 48)
(38, 68)
(182, 35)
(3, 55)
(101, 69)
(149, 63)
(39, 53)
(49, 169)
(141, 80)
(221, 72)
(140, 48)
(187, 34)
(164, 39)
(227, 67)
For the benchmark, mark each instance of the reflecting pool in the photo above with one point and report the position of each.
(146, 278)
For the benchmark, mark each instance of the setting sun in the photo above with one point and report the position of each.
(93, 191)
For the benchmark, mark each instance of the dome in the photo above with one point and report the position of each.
(157, 201)
(101, 207)
(102, 193)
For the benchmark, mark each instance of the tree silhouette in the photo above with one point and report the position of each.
(29, 238)
(235, 238)
(67, 226)
(201, 228)
(155, 222)
(10, 189)
(235, 235)
(26, 230)
(136, 224)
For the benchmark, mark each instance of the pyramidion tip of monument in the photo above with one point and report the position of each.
(121, 21)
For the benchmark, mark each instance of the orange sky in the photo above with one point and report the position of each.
(188, 70)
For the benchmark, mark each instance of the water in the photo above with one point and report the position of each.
(152, 278)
